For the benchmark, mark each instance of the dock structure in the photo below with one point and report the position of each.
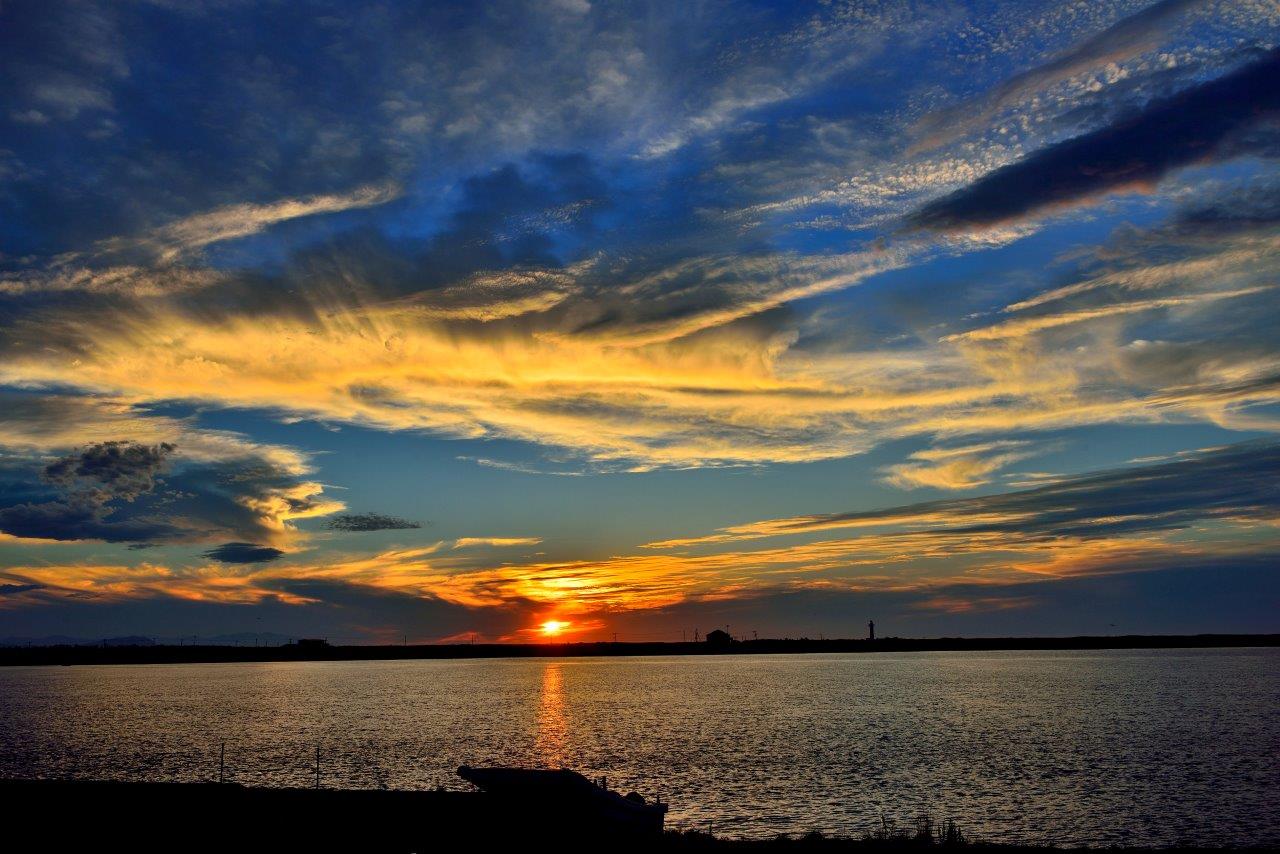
(510, 808)
(569, 797)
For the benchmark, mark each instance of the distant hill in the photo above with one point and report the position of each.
(237, 639)
(47, 640)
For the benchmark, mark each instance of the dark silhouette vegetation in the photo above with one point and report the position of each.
(226, 817)
(318, 650)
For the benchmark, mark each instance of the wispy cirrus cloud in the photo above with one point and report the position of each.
(1119, 521)
(627, 247)
(691, 377)
(962, 467)
(1128, 37)
(1235, 482)
(176, 239)
(494, 542)
(1192, 126)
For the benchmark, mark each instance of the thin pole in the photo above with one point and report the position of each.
(317, 766)
(222, 762)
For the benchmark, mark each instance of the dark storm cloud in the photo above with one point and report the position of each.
(243, 553)
(1255, 206)
(1192, 126)
(124, 469)
(18, 589)
(1235, 482)
(80, 517)
(143, 494)
(369, 522)
(93, 483)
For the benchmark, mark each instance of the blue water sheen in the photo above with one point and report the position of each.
(1138, 747)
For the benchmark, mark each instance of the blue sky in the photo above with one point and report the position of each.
(369, 321)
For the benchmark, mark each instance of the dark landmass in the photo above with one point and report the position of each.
(116, 653)
(65, 815)
(236, 639)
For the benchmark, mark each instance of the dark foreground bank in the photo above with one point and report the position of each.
(211, 817)
(316, 651)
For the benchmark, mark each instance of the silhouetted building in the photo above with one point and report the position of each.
(719, 637)
(312, 643)
(871, 630)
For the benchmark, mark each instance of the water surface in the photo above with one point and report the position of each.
(1142, 747)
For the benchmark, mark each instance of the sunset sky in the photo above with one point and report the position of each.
(371, 322)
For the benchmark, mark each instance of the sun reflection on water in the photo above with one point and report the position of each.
(553, 722)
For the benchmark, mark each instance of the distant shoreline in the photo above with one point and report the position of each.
(168, 654)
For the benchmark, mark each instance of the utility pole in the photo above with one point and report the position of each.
(317, 766)
(222, 763)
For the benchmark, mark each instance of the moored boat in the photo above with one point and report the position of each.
(561, 795)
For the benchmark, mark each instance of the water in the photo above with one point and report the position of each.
(1142, 747)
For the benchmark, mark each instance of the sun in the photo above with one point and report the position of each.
(551, 628)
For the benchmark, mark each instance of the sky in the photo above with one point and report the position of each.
(386, 321)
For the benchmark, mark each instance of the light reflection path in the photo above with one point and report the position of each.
(553, 722)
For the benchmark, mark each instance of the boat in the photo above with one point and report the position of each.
(565, 796)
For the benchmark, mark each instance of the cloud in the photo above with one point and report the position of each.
(1128, 37)
(1236, 482)
(1193, 126)
(1024, 326)
(175, 484)
(955, 556)
(93, 484)
(121, 469)
(67, 277)
(962, 467)
(1198, 592)
(670, 338)
(79, 516)
(243, 553)
(495, 542)
(236, 221)
(369, 522)
(18, 589)
(634, 369)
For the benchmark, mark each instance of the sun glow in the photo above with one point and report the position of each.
(551, 628)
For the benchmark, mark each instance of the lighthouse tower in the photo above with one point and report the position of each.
(871, 630)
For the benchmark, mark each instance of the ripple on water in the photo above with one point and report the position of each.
(1150, 747)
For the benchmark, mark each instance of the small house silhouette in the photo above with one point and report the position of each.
(719, 637)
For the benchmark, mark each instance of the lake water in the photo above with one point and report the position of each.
(1141, 747)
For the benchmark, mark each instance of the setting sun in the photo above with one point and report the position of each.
(551, 628)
